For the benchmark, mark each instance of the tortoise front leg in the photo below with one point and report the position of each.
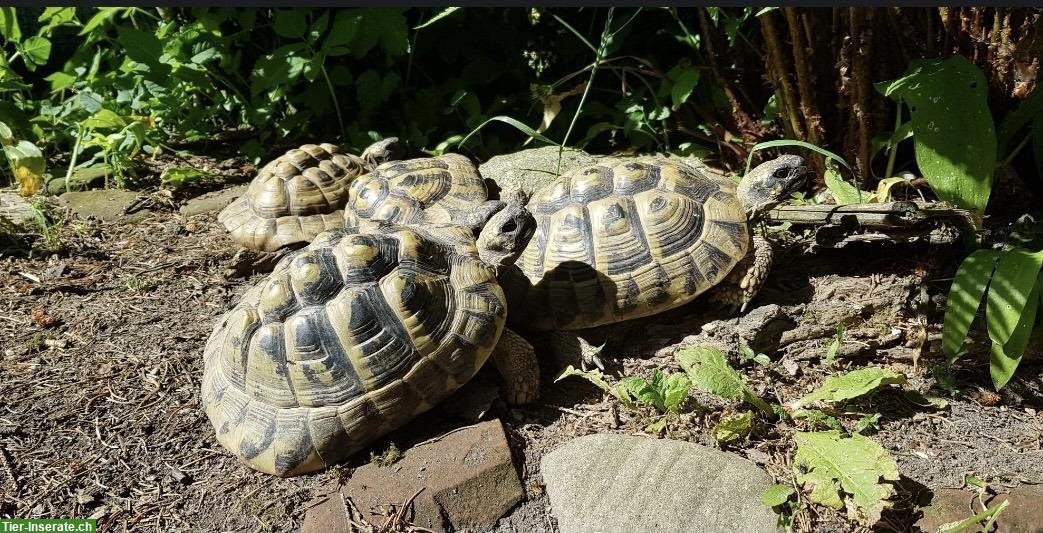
(378, 152)
(515, 359)
(743, 283)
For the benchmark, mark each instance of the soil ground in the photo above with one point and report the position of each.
(101, 366)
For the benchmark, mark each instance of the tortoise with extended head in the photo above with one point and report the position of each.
(352, 336)
(641, 237)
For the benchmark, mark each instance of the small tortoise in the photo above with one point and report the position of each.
(428, 190)
(354, 335)
(638, 238)
(298, 195)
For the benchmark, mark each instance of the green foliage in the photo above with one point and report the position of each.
(845, 471)
(748, 353)
(953, 132)
(834, 346)
(733, 427)
(709, 370)
(850, 385)
(777, 494)
(664, 393)
(975, 523)
(1009, 282)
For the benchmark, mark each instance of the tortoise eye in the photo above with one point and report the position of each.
(780, 173)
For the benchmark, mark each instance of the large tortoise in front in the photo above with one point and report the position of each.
(614, 243)
(354, 335)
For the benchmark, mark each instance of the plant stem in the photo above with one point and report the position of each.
(593, 71)
(1024, 142)
(894, 149)
(75, 154)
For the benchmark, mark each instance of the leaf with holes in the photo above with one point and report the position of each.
(851, 385)
(846, 471)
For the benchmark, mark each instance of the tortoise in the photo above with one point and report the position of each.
(298, 195)
(354, 335)
(615, 243)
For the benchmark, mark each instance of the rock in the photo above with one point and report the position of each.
(107, 205)
(212, 201)
(761, 329)
(467, 477)
(1022, 515)
(530, 169)
(15, 209)
(608, 482)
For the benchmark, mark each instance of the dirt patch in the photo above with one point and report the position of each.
(100, 413)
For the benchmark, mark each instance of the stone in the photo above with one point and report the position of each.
(15, 209)
(106, 205)
(531, 169)
(467, 476)
(761, 329)
(212, 201)
(1024, 514)
(610, 482)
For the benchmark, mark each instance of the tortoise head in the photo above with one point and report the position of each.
(770, 183)
(505, 235)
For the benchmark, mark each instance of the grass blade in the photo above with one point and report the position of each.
(793, 142)
(444, 13)
(513, 122)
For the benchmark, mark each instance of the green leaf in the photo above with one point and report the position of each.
(916, 398)
(684, 84)
(1018, 340)
(867, 422)
(6, 135)
(372, 91)
(9, 28)
(36, 49)
(345, 26)
(441, 15)
(383, 25)
(834, 346)
(99, 18)
(513, 122)
(676, 390)
(27, 165)
(593, 376)
(1030, 108)
(709, 370)
(843, 192)
(290, 23)
(816, 417)
(1012, 284)
(89, 101)
(179, 177)
(60, 80)
(141, 46)
(58, 15)
(104, 119)
(965, 294)
(854, 465)
(733, 427)
(953, 132)
(792, 142)
(851, 385)
(777, 494)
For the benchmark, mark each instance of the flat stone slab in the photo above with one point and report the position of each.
(467, 477)
(15, 209)
(608, 482)
(106, 205)
(212, 201)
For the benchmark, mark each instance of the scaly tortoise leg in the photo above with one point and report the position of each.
(743, 283)
(515, 359)
(378, 152)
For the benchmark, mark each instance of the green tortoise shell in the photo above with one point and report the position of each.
(427, 190)
(626, 241)
(346, 340)
(293, 198)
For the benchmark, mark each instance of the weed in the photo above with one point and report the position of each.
(387, 457)
(136, 283)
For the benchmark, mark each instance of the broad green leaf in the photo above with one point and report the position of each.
(290, 23)
(104, 118)
(843, 192)
(733, 427)
(372, 91)
(6, 135)
(1012, 284)
(684, 84)
(889, 142)
(709, 370)
(441, 15)
(777, 494)
(345, 26)
(953, 132)
(179, 177)
(851, 385)
(513, 122)
(141, 46)
(60, 80)
(9, 28)
(965, 294)
(1019, 339)
(57, 15)
(867, 422)
(36, 49)
(1002, 365)
(1030, 108)
(815, 417)
(791, 142)
(676, 390)
(883, 188)
(384, 25)
(99, 18)
(854, 465)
